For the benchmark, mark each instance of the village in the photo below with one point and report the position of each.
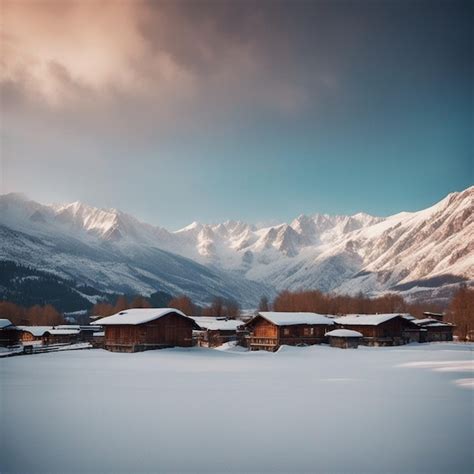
(141, 329)
(154, 390)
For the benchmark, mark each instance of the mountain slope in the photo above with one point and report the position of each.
(419, 253)
(110, 251)
(349, 254)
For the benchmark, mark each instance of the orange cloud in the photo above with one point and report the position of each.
(54, 48)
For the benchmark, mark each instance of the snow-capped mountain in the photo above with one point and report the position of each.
(418, 253)
(110, 251)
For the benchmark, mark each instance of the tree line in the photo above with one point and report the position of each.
(459, 312)
(218, 306)
(37, 315)
(326, 303)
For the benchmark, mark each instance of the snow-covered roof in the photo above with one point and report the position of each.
(217, 324)
(290, 319)
(63, 332)
(343, 333)
(4, 323)
(136, 316)
(367, 319)
(431, 322)
(430, 313)
(37, 331)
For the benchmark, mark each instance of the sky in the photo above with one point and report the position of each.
(181, 111)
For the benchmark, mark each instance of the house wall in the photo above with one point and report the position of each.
(27, 337)
(412, 335)
(344, 342)
(302, 331)
(60, 338)
(263, 328)
(439, 333)
(9, 337)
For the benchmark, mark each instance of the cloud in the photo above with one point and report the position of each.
(58, 49)
(170, 54)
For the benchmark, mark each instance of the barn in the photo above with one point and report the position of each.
(214, 332)
(379, 329)
(141, 329)
(9, 333)
(344, 338)
(434, 330)
(269, 330)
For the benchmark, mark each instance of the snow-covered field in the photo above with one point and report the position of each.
(316, 409)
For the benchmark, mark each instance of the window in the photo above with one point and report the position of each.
(286, 331)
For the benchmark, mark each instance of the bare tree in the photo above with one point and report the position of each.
(140, 302)
(461, 312)
(184, 304)
(121, 304)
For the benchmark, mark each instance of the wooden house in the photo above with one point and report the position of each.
(433, 330)
(270, 330)
(344, 338)
(61, 336)
(214, 332)
(379, 329)
(85, 333)
(33, 333)
(412, 332)
(141, 329)
(9, 333)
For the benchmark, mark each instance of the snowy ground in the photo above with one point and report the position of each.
(315, 409)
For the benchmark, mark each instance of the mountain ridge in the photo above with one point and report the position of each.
(342, 254)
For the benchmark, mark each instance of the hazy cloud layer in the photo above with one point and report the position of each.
(97, 96)
(75, 53)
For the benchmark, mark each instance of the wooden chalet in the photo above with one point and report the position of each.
(141, 329)
(392, 329)
(33, 333)
(434, 330)
(214, 332)
(9, 333)
(84, 333)
(61, 336)
(270, 330)
(344, 338)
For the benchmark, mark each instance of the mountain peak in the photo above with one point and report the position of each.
(331, 253)
(193, 226)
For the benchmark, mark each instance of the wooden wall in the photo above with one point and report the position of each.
(27, 336)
